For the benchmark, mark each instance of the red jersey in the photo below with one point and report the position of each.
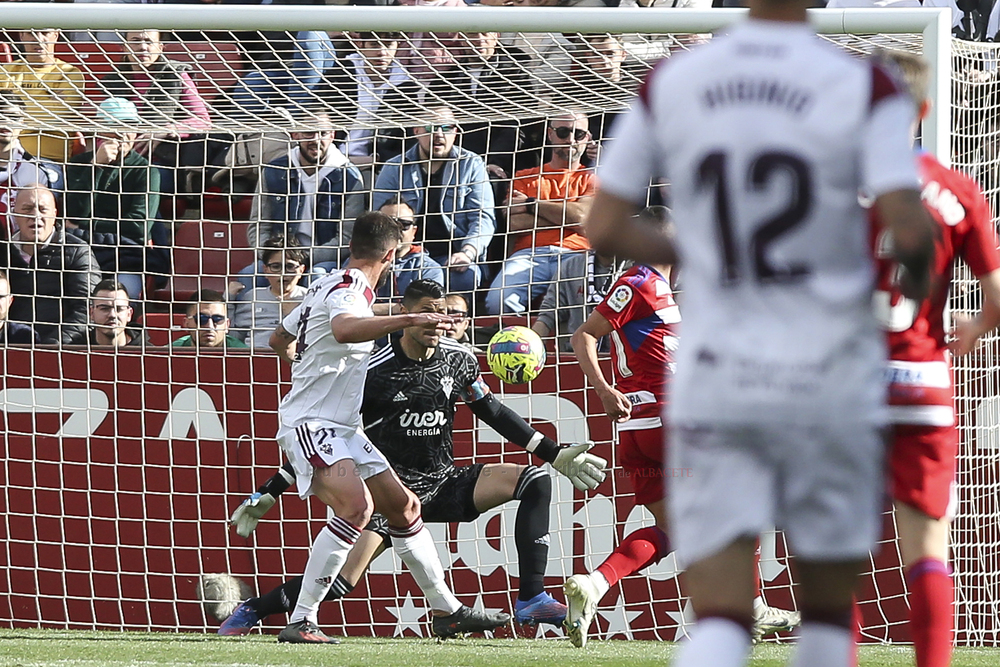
(919, 377)
(642, 310)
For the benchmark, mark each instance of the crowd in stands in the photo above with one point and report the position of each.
(443, 132)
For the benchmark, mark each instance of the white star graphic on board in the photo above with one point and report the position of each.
(684, 618)
(409, 616)
(549, 631)
(619, 620)
(478, 604)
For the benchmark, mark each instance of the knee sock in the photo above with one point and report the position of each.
(284, 597)
(825, 645)
(328, 555)
(717, 641)
(637, 551)
(931, 597)
(531, 530)
(415, 547)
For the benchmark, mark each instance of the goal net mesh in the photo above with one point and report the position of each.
(120, 468)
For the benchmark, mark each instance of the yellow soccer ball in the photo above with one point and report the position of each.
(516, 355)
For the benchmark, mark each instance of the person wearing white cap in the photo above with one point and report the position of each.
(113, 193)
(112, 189)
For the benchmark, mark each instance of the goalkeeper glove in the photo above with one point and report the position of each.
(246, 516)
(586, 471)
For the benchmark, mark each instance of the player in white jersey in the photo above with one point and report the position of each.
(766, 136)
(328, 339)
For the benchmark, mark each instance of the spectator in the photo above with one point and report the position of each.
(359, 84)
(546, 206)
(260, 310)
(51, 272)
(309, 194)
(113, 195)
(456, 306)
(18, 168)
(287, 81)
(476, 74)
(110, 315)
(582, 282)
(12, 333)
(412, 262)
(111, 189)
(448, 187)
(51, 89)
(207, 321)
(164, 95)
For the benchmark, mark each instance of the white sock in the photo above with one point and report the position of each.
(328, 555)
(715, 641)
(602, 584)
(415, 547)
(824, 645)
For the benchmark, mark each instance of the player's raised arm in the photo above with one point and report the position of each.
(348, 328)
(584, 342)
(585, 470)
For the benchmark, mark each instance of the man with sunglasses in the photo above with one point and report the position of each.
(208, 323)
(544, 211)
(449, 188)
(412, 263)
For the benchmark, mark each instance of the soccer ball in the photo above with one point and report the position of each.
(516, 355)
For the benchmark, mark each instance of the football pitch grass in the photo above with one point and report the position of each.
(49, 648)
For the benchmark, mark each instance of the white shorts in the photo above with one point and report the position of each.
(320, 444)
(823, 485)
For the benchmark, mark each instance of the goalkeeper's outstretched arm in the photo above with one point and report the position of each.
(586, 471)
(246, 516)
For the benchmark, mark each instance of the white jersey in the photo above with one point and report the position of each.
(328, 377)
(766, 136)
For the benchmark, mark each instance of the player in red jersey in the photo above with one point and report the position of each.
(922, 464)
(642, 318)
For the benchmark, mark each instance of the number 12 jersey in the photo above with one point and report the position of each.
(766, 136)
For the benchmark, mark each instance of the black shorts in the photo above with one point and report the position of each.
(451, 502)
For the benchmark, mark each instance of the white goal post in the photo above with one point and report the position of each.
(934, 24)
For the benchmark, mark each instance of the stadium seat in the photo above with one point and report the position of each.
(205, 255)
(164, 328)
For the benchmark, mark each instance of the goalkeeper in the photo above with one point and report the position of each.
(408, 411)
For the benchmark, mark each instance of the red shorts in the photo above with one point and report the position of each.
(641, 454)
(923, 468)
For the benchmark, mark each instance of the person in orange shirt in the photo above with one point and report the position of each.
(545, 209)
(51, 89)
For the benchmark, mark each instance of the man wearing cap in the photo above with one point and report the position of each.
(112, 189)
(51, 89)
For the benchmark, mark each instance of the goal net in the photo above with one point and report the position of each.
(122, 465)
